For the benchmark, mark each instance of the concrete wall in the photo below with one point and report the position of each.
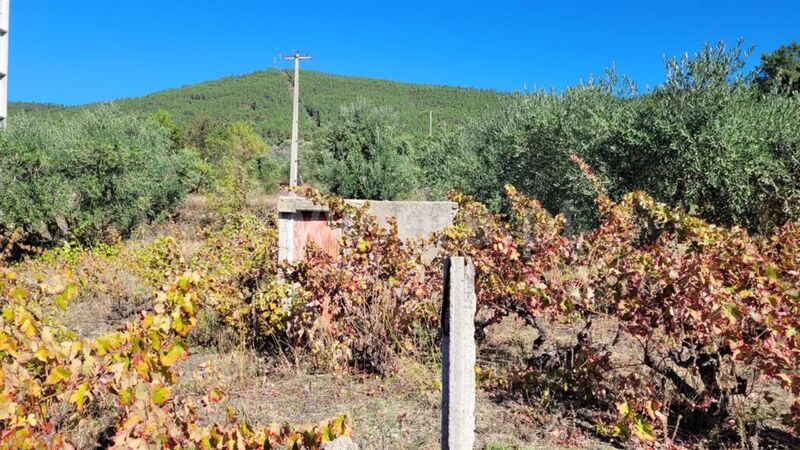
(301, 221)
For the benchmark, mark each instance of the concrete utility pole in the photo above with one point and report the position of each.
(4, 20)
(295, 116)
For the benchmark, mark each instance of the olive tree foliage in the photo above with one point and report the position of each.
(85, 176)
(446, 163)
(363, 154)
(704, 140)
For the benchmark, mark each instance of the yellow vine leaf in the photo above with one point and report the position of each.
(644, 430)
(125, 397)
(174, 354)
(57, 375)
(7, 409)
(42, 354)
(28, 328)
(69, 293)
(79, 396)
(18, 293)
(624, 408)
(215, 394)
(159, 395)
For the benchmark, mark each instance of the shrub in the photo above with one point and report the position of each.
(236, 157)
(268, 169)
(90, 175)
(176, 132)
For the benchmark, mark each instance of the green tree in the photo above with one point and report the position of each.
(233, 151)
(177, 132)
(221, 144)
(446, 163)
(363, 154)
(245, 143)
(197, 133)
(780, 70)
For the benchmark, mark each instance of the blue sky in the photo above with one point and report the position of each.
(75, 52)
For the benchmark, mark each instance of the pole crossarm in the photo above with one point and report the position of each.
(297, 56)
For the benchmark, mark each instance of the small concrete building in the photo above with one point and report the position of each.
(301, 221)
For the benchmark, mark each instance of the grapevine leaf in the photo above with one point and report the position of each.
(57, 375)
(79, 396)
(159, 395)
(644, 430)
(174, 354)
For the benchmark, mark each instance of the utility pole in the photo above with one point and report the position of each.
(295, 116)
(430, 123)
(4, 20)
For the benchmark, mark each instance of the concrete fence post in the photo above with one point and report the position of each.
(458, 354)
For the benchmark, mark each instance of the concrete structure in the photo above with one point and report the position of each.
(301, 221)
(4, 22)
(458, 354)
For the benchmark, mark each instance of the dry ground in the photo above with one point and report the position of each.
(399, 412)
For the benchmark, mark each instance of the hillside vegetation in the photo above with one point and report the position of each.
(638, 287)
(265, 99)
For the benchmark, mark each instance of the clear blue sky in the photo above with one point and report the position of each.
(82, 51)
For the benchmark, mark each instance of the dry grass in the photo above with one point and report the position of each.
(397, 412)
(262, 204)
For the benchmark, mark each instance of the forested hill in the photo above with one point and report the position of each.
(265, 99)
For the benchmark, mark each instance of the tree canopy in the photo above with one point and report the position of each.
(780, 70)
(363, 154)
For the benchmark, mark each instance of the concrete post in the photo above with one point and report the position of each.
(458, 354)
